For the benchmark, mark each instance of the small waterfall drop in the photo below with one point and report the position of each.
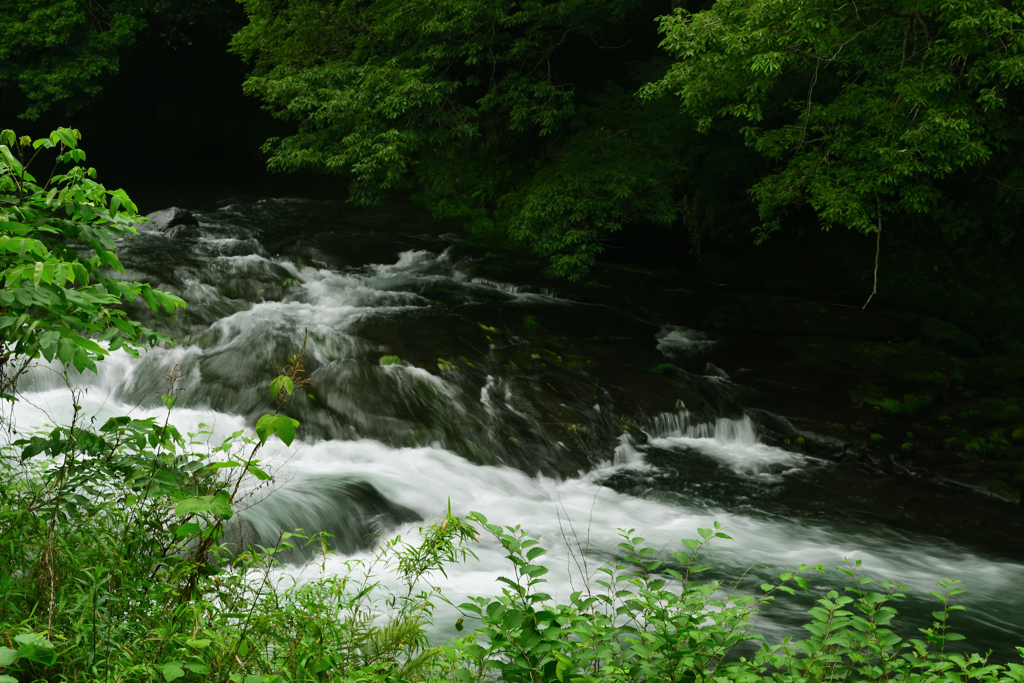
(732, 442)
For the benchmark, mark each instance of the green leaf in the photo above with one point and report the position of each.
(7, 156)
(219, 504)
(255, 471)
(7, 655)
(7, 679)
(281, 425)
(36, 648)
(67, 137)
(149, 298)
(172, 670)
(187, 529)
(169, 401)
(281, 382)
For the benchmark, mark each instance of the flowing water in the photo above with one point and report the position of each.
(488, 414)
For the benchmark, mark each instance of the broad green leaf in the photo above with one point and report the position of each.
(149, 298)
(218, 504)
(281, 425)
(187, 529)
(36, 648)
(7, 655)
(257, 472)
(67, 137)
(7, 157)
(197, 666)
(281, 382)
(172, 670)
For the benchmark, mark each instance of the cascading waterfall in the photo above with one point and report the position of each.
(382, 448)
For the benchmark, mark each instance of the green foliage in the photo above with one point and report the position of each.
(389, 360)
(932, 378)
(57, 54)
(490, 111)
(57, 302)
(865, 109)
(650, 619)
(115, 564)
(123, 573)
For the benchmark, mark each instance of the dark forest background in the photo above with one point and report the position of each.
(170, 123)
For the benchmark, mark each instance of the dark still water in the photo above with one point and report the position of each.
(532, 403)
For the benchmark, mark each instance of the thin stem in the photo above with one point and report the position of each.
(878, 248)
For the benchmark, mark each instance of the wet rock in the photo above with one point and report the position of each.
(174, 222)
(354, 513)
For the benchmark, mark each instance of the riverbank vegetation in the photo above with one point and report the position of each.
(124, 575)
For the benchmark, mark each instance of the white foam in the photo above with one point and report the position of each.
(676, 340)
(732, 442)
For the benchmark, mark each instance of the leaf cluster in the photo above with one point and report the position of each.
(62, 289)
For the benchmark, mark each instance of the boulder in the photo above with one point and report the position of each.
(174, 222)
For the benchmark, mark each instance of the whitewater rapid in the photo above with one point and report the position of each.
(229, 343)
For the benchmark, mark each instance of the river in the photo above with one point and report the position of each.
(532, 404)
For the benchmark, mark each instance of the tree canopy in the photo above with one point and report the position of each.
(58, 54)
(865, 108)
(501, 112)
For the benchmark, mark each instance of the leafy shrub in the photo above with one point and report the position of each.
(56, 302)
